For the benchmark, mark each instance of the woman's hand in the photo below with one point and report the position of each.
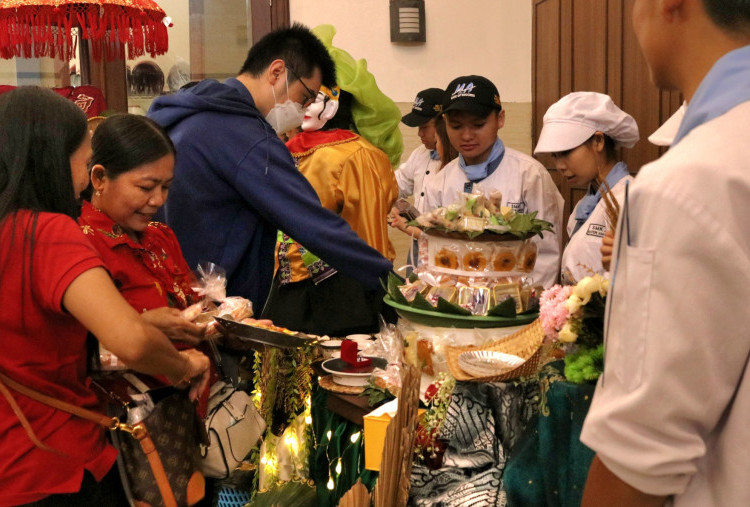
(608, 242)
(196, 373)
(397, 221)
(171, 322)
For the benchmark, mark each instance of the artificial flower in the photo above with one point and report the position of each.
(553, 310)
(573, 316)
(574, 303)
(567, 335)
(587, 286)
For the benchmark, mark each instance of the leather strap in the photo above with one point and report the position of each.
(25, 422)
(107, 422)
(139, 431)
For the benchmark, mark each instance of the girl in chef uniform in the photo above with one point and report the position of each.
(582, 131)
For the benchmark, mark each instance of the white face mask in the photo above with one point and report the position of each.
(286, 116)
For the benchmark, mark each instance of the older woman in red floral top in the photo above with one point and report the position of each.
(132, 167)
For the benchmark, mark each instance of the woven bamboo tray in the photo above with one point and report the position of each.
(327, 383)
(525, 343)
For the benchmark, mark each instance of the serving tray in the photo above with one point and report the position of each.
(265, 336)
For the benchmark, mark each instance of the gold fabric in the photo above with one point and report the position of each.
(355, 180)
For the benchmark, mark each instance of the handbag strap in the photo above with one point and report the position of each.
(138, 431)
(101, 419)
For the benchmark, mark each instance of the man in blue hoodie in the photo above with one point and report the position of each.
(235, 181)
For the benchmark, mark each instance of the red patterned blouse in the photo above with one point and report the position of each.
(149, 274)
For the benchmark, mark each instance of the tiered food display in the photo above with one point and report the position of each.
(476, 258)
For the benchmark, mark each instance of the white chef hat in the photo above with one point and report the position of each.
(664, 135)
(572, 120)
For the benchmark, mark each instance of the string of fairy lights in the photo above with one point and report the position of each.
(278, 465)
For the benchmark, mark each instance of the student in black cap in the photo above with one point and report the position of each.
(474, 115)
(422, 162)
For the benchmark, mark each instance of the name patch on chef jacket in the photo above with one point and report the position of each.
(596, 230)
(518, 207)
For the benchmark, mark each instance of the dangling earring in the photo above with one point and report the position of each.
(97, 193)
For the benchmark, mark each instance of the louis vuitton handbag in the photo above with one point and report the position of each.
(158, 443)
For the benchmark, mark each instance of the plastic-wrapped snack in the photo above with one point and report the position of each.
(237, 308)
(392, 343)
(475, 299)
(211, 282)
(503, 291)
(442, 291)
(233, 308)
(410, 290)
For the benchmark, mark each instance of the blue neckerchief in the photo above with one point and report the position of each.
(726, 85)
(434, 155)
(592, 198)
(478, 172)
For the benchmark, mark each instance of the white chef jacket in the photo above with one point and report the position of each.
(411, 174)
(582, 255)
(526, 186)
(671, 413)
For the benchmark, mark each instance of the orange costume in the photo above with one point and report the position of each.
(354, 180)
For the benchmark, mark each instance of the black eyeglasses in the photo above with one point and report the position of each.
(311, 94)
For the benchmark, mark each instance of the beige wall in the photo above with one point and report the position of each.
(487, 37)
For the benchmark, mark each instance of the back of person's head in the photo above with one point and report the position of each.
(39, 131)
(124, 142)
(178, 76)
(475, 95)
(731, 15)
(147, 79)
(300, 49)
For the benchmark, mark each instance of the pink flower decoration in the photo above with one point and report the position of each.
(553, 310)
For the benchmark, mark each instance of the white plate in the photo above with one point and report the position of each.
(487, 363)
(347, 375)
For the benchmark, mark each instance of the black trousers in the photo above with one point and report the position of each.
(337, 306)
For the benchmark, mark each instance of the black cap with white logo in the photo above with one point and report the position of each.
(473, 94)
(427, 105)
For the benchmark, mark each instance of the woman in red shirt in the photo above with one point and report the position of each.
(53, 288)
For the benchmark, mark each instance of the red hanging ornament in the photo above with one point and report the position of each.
(38, 28)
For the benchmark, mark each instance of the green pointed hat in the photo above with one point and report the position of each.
(374, 113)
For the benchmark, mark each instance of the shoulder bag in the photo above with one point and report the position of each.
(159, 455)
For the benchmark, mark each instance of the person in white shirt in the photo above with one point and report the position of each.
(583, 131)
(669, 418)
(474, 115)
(423, 161)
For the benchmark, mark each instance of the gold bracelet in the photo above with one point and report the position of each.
(186, 378)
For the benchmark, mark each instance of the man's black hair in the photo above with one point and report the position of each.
(732, 15)
(300, 49)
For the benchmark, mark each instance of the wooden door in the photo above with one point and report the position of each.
(589, 45)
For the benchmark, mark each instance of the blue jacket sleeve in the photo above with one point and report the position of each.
(272, 184)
